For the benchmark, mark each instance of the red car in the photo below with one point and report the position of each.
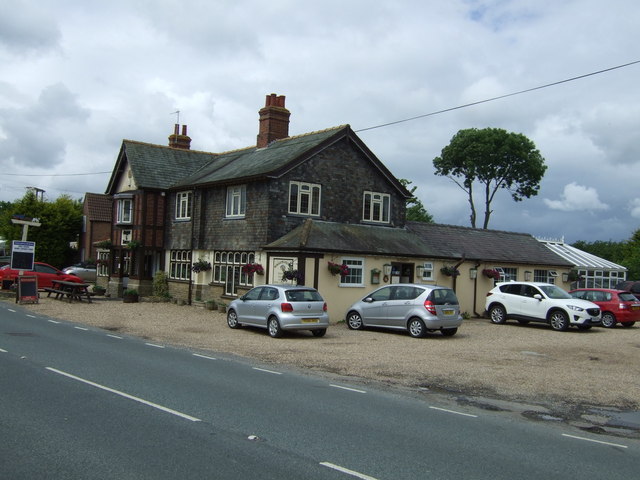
(617, 306)
(44, 272)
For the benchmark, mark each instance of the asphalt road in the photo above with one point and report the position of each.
(82, 403)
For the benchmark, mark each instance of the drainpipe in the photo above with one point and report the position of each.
(475, 291)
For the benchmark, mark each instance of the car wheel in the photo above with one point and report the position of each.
(497, 314)
(416, 328)
(608, 320)
(319, 332)
(273, 325)
(354, 321)
(628, 324)
(559, 320)
(232, 319)
(449, 332)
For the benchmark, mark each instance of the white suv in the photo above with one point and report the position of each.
(540, 302)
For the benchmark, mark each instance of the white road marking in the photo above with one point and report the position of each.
(595, 441)
(32, 316)
(154, 345)
(267, 371)
(453, 411)
(347, 388)
(347, 471)
(203, 356)
(114, 336)
(81, 328)
(11, 310)
(52, 321)
(125, 395)
(3, 351)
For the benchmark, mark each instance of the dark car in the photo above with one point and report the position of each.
(617, 306)
(42, 271)
(630, 286)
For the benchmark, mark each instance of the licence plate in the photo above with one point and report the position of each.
(310, 320)
(448, 311)
(635, 307)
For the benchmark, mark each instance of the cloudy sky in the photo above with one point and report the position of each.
(78, 77)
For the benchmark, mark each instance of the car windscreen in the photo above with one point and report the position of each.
(303, 296)
(552, 291)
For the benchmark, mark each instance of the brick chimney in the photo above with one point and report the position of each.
(180, 141)
(274, 120)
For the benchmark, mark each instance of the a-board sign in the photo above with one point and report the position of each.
(22, 255)
(27, 291)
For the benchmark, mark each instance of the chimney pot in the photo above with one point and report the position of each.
(180, 141)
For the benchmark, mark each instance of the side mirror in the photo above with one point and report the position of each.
(537, 296)
(368, 300)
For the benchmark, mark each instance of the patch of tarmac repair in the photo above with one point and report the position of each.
(601, 421)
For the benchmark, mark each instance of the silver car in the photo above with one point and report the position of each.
(86, 272)
(413, 307)
(280, 307)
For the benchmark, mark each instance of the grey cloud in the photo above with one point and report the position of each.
(27, 26)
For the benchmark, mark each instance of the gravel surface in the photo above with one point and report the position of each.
(599, 367)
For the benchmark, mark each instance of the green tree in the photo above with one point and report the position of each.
(61, 223)
(495, 159)
(415, 210)
(631, 258)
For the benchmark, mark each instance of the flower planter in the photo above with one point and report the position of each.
(130, 298)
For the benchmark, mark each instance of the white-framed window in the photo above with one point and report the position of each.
(236, 201)
(546, 276)
(227, 270)
(427, 271)
(102, 266)
(355, 278)
(507, 274)
(180, 264)
(184, 202)
(125, 210)
(376, 207)
(304, 198)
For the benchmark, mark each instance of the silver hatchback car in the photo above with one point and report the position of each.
(413, 307)
(280, 307)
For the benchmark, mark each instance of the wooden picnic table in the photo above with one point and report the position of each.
(69, 290)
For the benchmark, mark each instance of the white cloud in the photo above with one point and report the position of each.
(576, 198)
(634, 207)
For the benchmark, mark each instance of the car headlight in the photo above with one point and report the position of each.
(576, 308)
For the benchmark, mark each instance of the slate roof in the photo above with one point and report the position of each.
(579, 258)
(159, 167)
(450, 241)
(321, 236)
(98, 207)
(258, 162)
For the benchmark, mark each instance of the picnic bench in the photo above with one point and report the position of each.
(69, 291)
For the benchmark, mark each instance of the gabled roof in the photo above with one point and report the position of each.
(579, 258)
(157, 167)
(450, 241)
(98, 207)
(321, 236)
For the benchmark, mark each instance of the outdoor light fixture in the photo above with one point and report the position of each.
(420, 270)
(527, 276)
(565, 277)
(473, 273)
(386, 268)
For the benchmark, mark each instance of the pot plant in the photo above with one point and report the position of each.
(130, 295)
(99, 290)
(222, 307)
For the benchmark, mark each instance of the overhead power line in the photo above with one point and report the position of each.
(499, 97)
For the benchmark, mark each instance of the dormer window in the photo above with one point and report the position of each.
(376, 207)
(304, 198)
(125, 211)
(183, 205)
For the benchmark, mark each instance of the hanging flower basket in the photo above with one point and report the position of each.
(338, 269)
(105, 244)
(133, 244)
(491, 273)
(292, 275)
(574, 276)
(201, 266)
(251, 268)
(450, 271)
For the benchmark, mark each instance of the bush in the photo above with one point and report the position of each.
(161, 285)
